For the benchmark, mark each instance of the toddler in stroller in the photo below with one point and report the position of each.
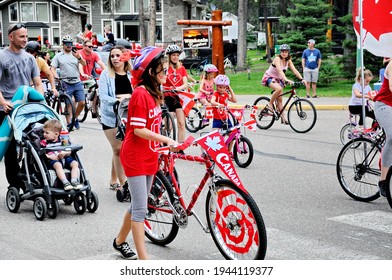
(52, 129)
(41, 184)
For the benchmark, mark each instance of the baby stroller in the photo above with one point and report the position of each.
(41, 184)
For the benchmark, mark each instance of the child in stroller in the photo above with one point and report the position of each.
(52, 129)
(41, 184)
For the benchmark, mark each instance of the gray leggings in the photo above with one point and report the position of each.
(139, 187)
(383, 114)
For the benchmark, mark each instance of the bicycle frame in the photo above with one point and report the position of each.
(293, 94)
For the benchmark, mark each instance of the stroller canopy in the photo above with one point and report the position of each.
(30, 113)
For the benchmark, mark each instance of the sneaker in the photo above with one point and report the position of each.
(125, 250)
(381, 185)
(68, 186)
(77, 125)
(77, 186)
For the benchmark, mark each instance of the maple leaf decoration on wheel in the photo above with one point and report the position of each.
(377, 26)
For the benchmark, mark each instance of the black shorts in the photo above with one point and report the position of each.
(173, 103)
(105, 127)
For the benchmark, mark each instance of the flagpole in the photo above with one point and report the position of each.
(360, 19)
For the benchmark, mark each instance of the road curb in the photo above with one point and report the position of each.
(318, 107)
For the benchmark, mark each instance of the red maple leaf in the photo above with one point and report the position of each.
(377, 17)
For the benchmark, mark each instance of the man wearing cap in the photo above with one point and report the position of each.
(311, 62)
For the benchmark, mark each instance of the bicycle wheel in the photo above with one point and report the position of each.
(97, 109)
(235, 222)
(388, 187)
(264, 118)
(346, 133)
(358, 169)
(159, 225)
(196, 68)
(194, 120)
(65, 107)
(243, 152)
(83, 115)
(168, 126)
(302, 115)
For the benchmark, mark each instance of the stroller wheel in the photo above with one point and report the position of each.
(54, 209)
(40, 208)
(92, 202)
(68, 200)
(80, 203)
(13, 199)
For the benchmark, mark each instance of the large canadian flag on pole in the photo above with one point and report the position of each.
(376, 26)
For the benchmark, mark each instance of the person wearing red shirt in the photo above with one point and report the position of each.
(177, 79)
(91, 58)
(383, 112)
(138, 155)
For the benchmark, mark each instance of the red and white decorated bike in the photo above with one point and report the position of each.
(233, 218)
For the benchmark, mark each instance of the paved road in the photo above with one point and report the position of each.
(292, 179)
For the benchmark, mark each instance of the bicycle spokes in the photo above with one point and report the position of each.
(235, 222)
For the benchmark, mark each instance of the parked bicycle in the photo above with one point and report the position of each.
(233, 218)
(198, 67)
(301, 112)
(92, 103)
(229, 64)
(62, 104)
(358, 167)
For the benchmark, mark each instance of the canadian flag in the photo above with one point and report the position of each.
(187, 102)
(253, 112)
(209, 112)
(214, 144)
(238, 113)
(251, 124)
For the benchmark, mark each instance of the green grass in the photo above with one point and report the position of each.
(250, 83)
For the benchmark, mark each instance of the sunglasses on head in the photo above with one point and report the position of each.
(16, 27)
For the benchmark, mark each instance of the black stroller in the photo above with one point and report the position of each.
(41, 184)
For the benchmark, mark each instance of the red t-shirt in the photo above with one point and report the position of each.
(222, 99)
(138, 156)
(90, 59)
(175, 76)
(88, 35)
(384, 95)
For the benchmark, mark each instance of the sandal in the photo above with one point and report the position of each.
(114, 186)
(307, 96)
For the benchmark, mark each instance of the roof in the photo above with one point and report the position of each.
(127, 17)
(63, 3)
(36, 24)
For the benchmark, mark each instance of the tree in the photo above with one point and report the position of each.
(242, 28)
(142, 29)
(307, 19)
(152, 23)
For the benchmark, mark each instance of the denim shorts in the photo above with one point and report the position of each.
(75, 90)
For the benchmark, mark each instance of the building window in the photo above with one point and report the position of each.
(159, 6)
(42, 12)
(13, 10)
(55, 9)
(136, 5)
(123, 7)
(27, 12)
(106, 6)
(56, 36)
(225, 32)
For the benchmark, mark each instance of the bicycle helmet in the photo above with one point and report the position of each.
(140, 64)
(67, 39)
(284, 47)
(33, 47)
(173, 49)
(210, 68)
(222, 80)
